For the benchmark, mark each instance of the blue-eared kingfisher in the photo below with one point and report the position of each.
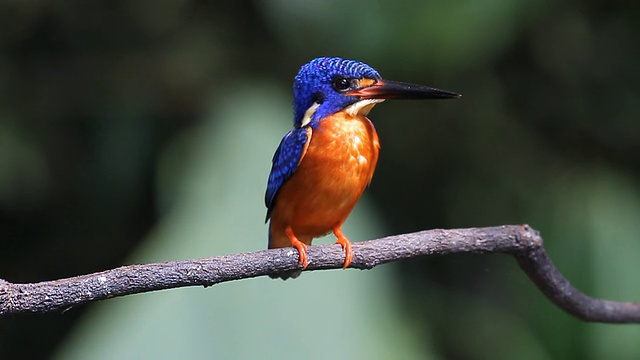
(325, 162)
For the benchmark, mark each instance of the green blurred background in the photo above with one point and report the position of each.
(143, 131)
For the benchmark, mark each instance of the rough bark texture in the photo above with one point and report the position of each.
(520, 241)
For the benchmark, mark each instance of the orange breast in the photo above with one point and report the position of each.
(338, 165)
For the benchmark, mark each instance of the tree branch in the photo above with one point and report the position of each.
(520, 241)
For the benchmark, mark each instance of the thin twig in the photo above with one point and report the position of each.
(520, 241)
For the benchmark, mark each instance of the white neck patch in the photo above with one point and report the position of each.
(362, 107)
(306, 119)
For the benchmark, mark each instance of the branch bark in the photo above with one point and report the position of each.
(520, 241)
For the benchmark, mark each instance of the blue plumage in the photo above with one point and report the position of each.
(314, 84)
(285, 162)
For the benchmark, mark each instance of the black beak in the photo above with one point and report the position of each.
(385, 89)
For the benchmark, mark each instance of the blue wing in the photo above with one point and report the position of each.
(285, 162)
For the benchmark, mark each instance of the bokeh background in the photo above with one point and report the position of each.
(143, 131)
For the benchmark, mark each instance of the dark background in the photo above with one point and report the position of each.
(92, 94)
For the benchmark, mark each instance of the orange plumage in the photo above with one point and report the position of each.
(337, 165)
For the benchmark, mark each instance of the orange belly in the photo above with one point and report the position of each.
(338, 165)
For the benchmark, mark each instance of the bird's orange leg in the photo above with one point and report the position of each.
(346, 245)
(302, 247)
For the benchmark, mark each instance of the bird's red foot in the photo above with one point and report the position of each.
(346, 246)
(302, 247)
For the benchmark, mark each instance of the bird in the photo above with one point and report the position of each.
(323, 165)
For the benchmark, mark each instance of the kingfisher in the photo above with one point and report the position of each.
(323, 165)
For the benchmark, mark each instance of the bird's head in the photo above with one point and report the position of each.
(327, 85)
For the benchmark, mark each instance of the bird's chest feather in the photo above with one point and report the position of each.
(336, 168)
(342, 156)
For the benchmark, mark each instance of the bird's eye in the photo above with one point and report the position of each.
(341, 84)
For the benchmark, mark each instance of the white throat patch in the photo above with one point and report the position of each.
(362, 107)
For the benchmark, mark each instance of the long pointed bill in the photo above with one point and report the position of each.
(385, 89)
